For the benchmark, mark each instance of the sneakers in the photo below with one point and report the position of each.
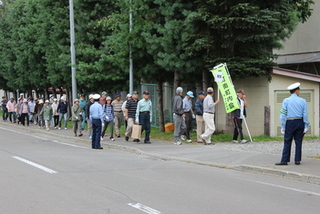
(59, 128)
(102, 138)
(189, 141)
(65, 128)
(80, 134)
(182, 138)
(243, 141)
(111, 138)
(136, 140)
(235, 141)
(47, 129)
(127, 138)
(177, 143)
(90, 137)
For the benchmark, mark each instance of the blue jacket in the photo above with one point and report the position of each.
(199, 107)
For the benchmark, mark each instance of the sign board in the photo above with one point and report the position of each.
(226, 88)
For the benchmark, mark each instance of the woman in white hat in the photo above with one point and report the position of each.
(24, 112)
(55, 113)
(108, 118)
(46, 114)
(76, 118)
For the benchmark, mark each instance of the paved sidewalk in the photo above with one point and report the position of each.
(242, 157)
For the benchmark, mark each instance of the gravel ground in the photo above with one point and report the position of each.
(309, 148)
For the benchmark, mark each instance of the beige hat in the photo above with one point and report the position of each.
(76, 100)
(40, 101)
(47, 101)
(210, 89)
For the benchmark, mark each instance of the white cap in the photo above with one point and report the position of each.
(129, 95)
(294, 86)
(47, 101)
(90, 96)
(96, 96)
(179, 90)
(108, 98)
(63, 98)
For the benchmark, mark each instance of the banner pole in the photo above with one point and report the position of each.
(245, 122)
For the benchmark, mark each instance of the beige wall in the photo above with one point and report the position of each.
(260, 93)
(281, 83)
(306, 36)
(257, 96)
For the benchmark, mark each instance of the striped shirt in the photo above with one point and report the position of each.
(132, 108)
(117, 105)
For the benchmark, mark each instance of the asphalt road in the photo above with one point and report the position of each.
(45, 174)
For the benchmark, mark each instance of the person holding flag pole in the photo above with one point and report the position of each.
(225, 86)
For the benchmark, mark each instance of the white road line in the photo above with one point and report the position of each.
(68, 144)
(144, 208)
(289, 188)
(35, 164)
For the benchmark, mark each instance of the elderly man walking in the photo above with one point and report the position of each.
(178, 116)
(117, 104)
(208, 116)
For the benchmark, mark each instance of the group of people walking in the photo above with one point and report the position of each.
(100, 111)
(204, 114)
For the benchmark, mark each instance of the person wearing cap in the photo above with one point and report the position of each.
(131, 108)
(55, 113)
(294, 124)
(188, 112)
(82, 104)
(76, 118)
(96, 117)
(63, 112)
(38, 109)
(199, 115)
(208, 116)
(117, 104)
(17, 108)
(238, 115)
(24, 111)
(4, 102)
(46, 113)
(108, 118)
(103, 98)
(11, 110)
(89, 103)
(178, 116)
(144, 115)
(32, 105)
(21, 97)
(123, 108)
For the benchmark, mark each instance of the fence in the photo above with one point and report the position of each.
(167, 102)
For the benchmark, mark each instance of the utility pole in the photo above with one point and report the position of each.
(73, 52)
(130, 53)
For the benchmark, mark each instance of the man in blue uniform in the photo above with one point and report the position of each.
(96, 117)
(294, 123)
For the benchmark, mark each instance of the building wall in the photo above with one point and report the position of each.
(281, 83)
(305, 38)
(257, 96)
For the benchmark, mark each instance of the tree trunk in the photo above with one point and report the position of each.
(160, 105)
(205, 80)
(54, 93)
(176, 80)
(46, 94)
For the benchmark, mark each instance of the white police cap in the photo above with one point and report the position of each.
(96, 96)
(294, 86)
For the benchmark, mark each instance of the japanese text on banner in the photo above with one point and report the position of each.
(226, 88)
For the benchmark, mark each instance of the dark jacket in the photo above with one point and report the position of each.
(199, 107)
(178, 105)
(89, 103)
(62, 107)
(236, 113)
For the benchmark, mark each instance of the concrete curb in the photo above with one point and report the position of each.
(243, 168)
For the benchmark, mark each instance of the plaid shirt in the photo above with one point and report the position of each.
(108, 112)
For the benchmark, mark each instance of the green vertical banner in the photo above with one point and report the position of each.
(226, 88)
